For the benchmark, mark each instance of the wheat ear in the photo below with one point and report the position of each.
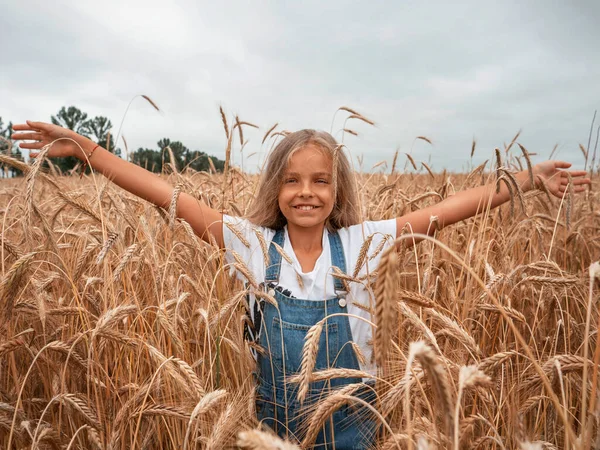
(439, 381)
(529, 165)
(124, 260)
(207, 403)
(173, 204)
(385, 291)
(412, 161)
(467, 377)
(260, 440)
(362, 118)
(498, 166)
(12, 281)
(30, 182)
(309, 357)
(224, 119)
(269, 131)
(362, 255)
(112, 237)
(326, 408)
(570, 201)
(238, 234)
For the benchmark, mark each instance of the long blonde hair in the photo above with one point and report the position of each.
(265, 211)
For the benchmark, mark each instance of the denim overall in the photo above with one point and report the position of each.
(282, 337)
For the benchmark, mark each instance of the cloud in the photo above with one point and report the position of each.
(444, 70)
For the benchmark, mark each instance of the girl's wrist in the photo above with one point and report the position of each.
(529, 180)
(525, 181)
(82, 147)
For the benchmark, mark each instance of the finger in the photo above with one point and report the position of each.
(575, 181)
(39, 125)
(31, 145)
(27, 136)
(21, 127)
(562, 164)
(577, 173)
(575, 178)
(579, 189)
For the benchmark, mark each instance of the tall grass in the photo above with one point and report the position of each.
(122, 329)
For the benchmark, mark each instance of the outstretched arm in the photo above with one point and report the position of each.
(204, 220)
(468, 203)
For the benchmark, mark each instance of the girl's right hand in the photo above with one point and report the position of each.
(64, 142)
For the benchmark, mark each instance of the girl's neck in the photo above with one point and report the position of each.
(306, 240)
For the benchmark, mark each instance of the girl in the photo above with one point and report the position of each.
(303, 227)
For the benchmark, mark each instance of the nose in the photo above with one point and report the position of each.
(306, 189)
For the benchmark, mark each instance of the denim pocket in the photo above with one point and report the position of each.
(287, 342)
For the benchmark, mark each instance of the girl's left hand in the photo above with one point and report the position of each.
(556, 180)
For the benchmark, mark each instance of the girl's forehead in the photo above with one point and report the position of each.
(310, 157)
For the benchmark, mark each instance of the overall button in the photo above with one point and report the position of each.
(342, 302)
(271, 292)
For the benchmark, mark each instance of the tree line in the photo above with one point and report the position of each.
(98, 129)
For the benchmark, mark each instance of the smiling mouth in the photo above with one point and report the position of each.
(305, 207)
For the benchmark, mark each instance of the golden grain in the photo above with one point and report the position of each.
(148, 343)
(385, 311)
(269, 131)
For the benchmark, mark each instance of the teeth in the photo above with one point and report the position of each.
(306, 208)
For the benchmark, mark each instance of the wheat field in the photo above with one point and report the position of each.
(121, 329)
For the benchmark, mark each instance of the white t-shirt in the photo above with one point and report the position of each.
(318, 284)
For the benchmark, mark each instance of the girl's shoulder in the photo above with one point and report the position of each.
(240, 233)
(242, 223)
(365, 242)
(370, 227)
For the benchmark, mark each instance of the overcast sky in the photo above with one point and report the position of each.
(448, 70)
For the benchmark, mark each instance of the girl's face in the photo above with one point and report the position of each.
(306, 195)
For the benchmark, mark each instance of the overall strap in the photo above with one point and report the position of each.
(272, 275)
(338, 259)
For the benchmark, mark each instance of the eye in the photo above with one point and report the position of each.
(322, 180)
(289, 180)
